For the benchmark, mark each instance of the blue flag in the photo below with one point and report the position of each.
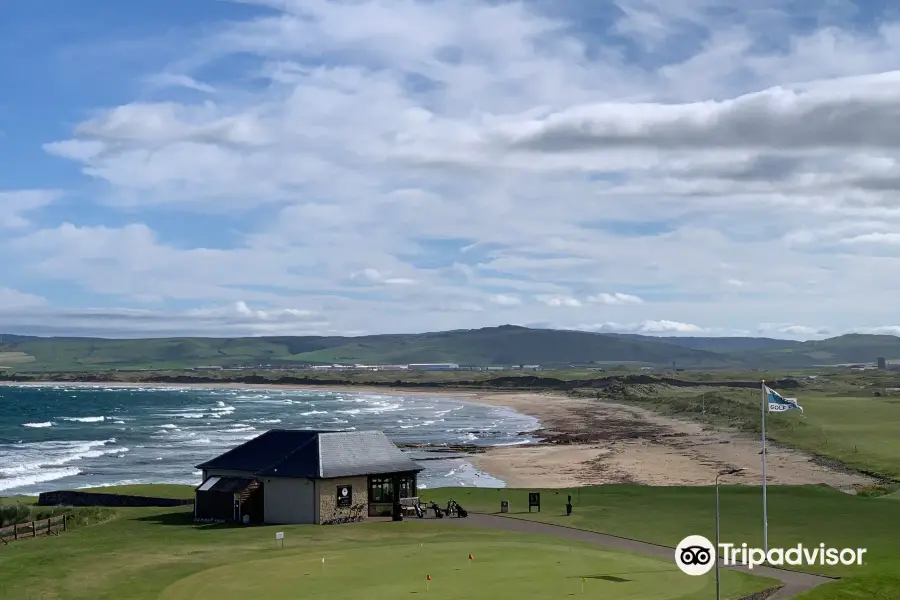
(778, 403)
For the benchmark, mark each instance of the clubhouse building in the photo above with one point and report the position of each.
(297, 476)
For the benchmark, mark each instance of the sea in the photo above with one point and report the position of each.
(63, 436)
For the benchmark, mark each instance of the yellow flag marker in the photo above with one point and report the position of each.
(583, 579)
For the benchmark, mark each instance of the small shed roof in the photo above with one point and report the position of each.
(315, 455)
(228, 485)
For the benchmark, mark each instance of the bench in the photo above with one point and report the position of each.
(408, 505)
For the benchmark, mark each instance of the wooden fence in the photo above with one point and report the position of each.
(30, 529)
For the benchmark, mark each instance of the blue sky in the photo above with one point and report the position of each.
(335, 167)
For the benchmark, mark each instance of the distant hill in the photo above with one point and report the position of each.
(730, 344)
(490, 346)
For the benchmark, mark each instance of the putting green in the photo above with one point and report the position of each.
(498, 570)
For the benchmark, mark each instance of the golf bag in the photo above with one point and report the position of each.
(461, 512)
(437, 511)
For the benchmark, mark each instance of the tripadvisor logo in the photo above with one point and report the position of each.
(695, 555)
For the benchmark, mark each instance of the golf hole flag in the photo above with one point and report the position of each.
(778, 403)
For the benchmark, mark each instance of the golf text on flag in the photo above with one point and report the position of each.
(778, 403)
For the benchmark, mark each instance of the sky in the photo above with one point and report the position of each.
(348, 167)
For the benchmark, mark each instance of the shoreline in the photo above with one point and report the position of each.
(591, 442)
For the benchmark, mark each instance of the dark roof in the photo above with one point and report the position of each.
(315, 455)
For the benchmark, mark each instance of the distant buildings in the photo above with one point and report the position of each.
(882, 363)
(433, 367)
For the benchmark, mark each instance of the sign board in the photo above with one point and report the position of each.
(534, 500)
(344, 496)
(279, 535)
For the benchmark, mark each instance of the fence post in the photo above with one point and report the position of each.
(33, 529)
(65, 527)
(49, 526)
(15, 531)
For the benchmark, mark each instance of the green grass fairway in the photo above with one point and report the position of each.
(522, 567)
(860, 432)
(805, 514)
(157, 554)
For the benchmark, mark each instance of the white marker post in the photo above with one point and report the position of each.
(763, 406)
(279, 537)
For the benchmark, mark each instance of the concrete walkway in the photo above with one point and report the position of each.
(794, 583)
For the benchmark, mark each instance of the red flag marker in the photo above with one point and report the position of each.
(471, 557)
(428, 577)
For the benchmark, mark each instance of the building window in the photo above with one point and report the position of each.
(381, 490)
(407, 487)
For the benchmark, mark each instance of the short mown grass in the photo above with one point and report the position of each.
(157, 553)
(807, 515)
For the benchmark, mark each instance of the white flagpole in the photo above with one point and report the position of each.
(765, 508)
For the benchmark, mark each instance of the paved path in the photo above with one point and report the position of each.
(794, 582)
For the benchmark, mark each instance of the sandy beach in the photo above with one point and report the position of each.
(590, 442)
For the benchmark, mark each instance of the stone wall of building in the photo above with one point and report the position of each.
(326, 490)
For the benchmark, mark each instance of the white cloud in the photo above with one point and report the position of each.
(784, 329)
(617, 298)
(236, 319)
(882, 330)
(557, 301)
(180, 80)
(374, 276)
(494, 152)
(14, 204)
(12, 299)
(662, 327)
(505, 300)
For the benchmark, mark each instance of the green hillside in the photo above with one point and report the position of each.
(492, 346)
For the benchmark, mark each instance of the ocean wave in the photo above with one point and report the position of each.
(40, 455)
(314, 412)
(84, 419)
(168, 426)
(515, 443)
(44, 424)
(8, 483)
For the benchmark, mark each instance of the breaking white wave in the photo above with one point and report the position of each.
(31, 463)
(44, 424)
(8, 483)
(84, 419)
(314, 412)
